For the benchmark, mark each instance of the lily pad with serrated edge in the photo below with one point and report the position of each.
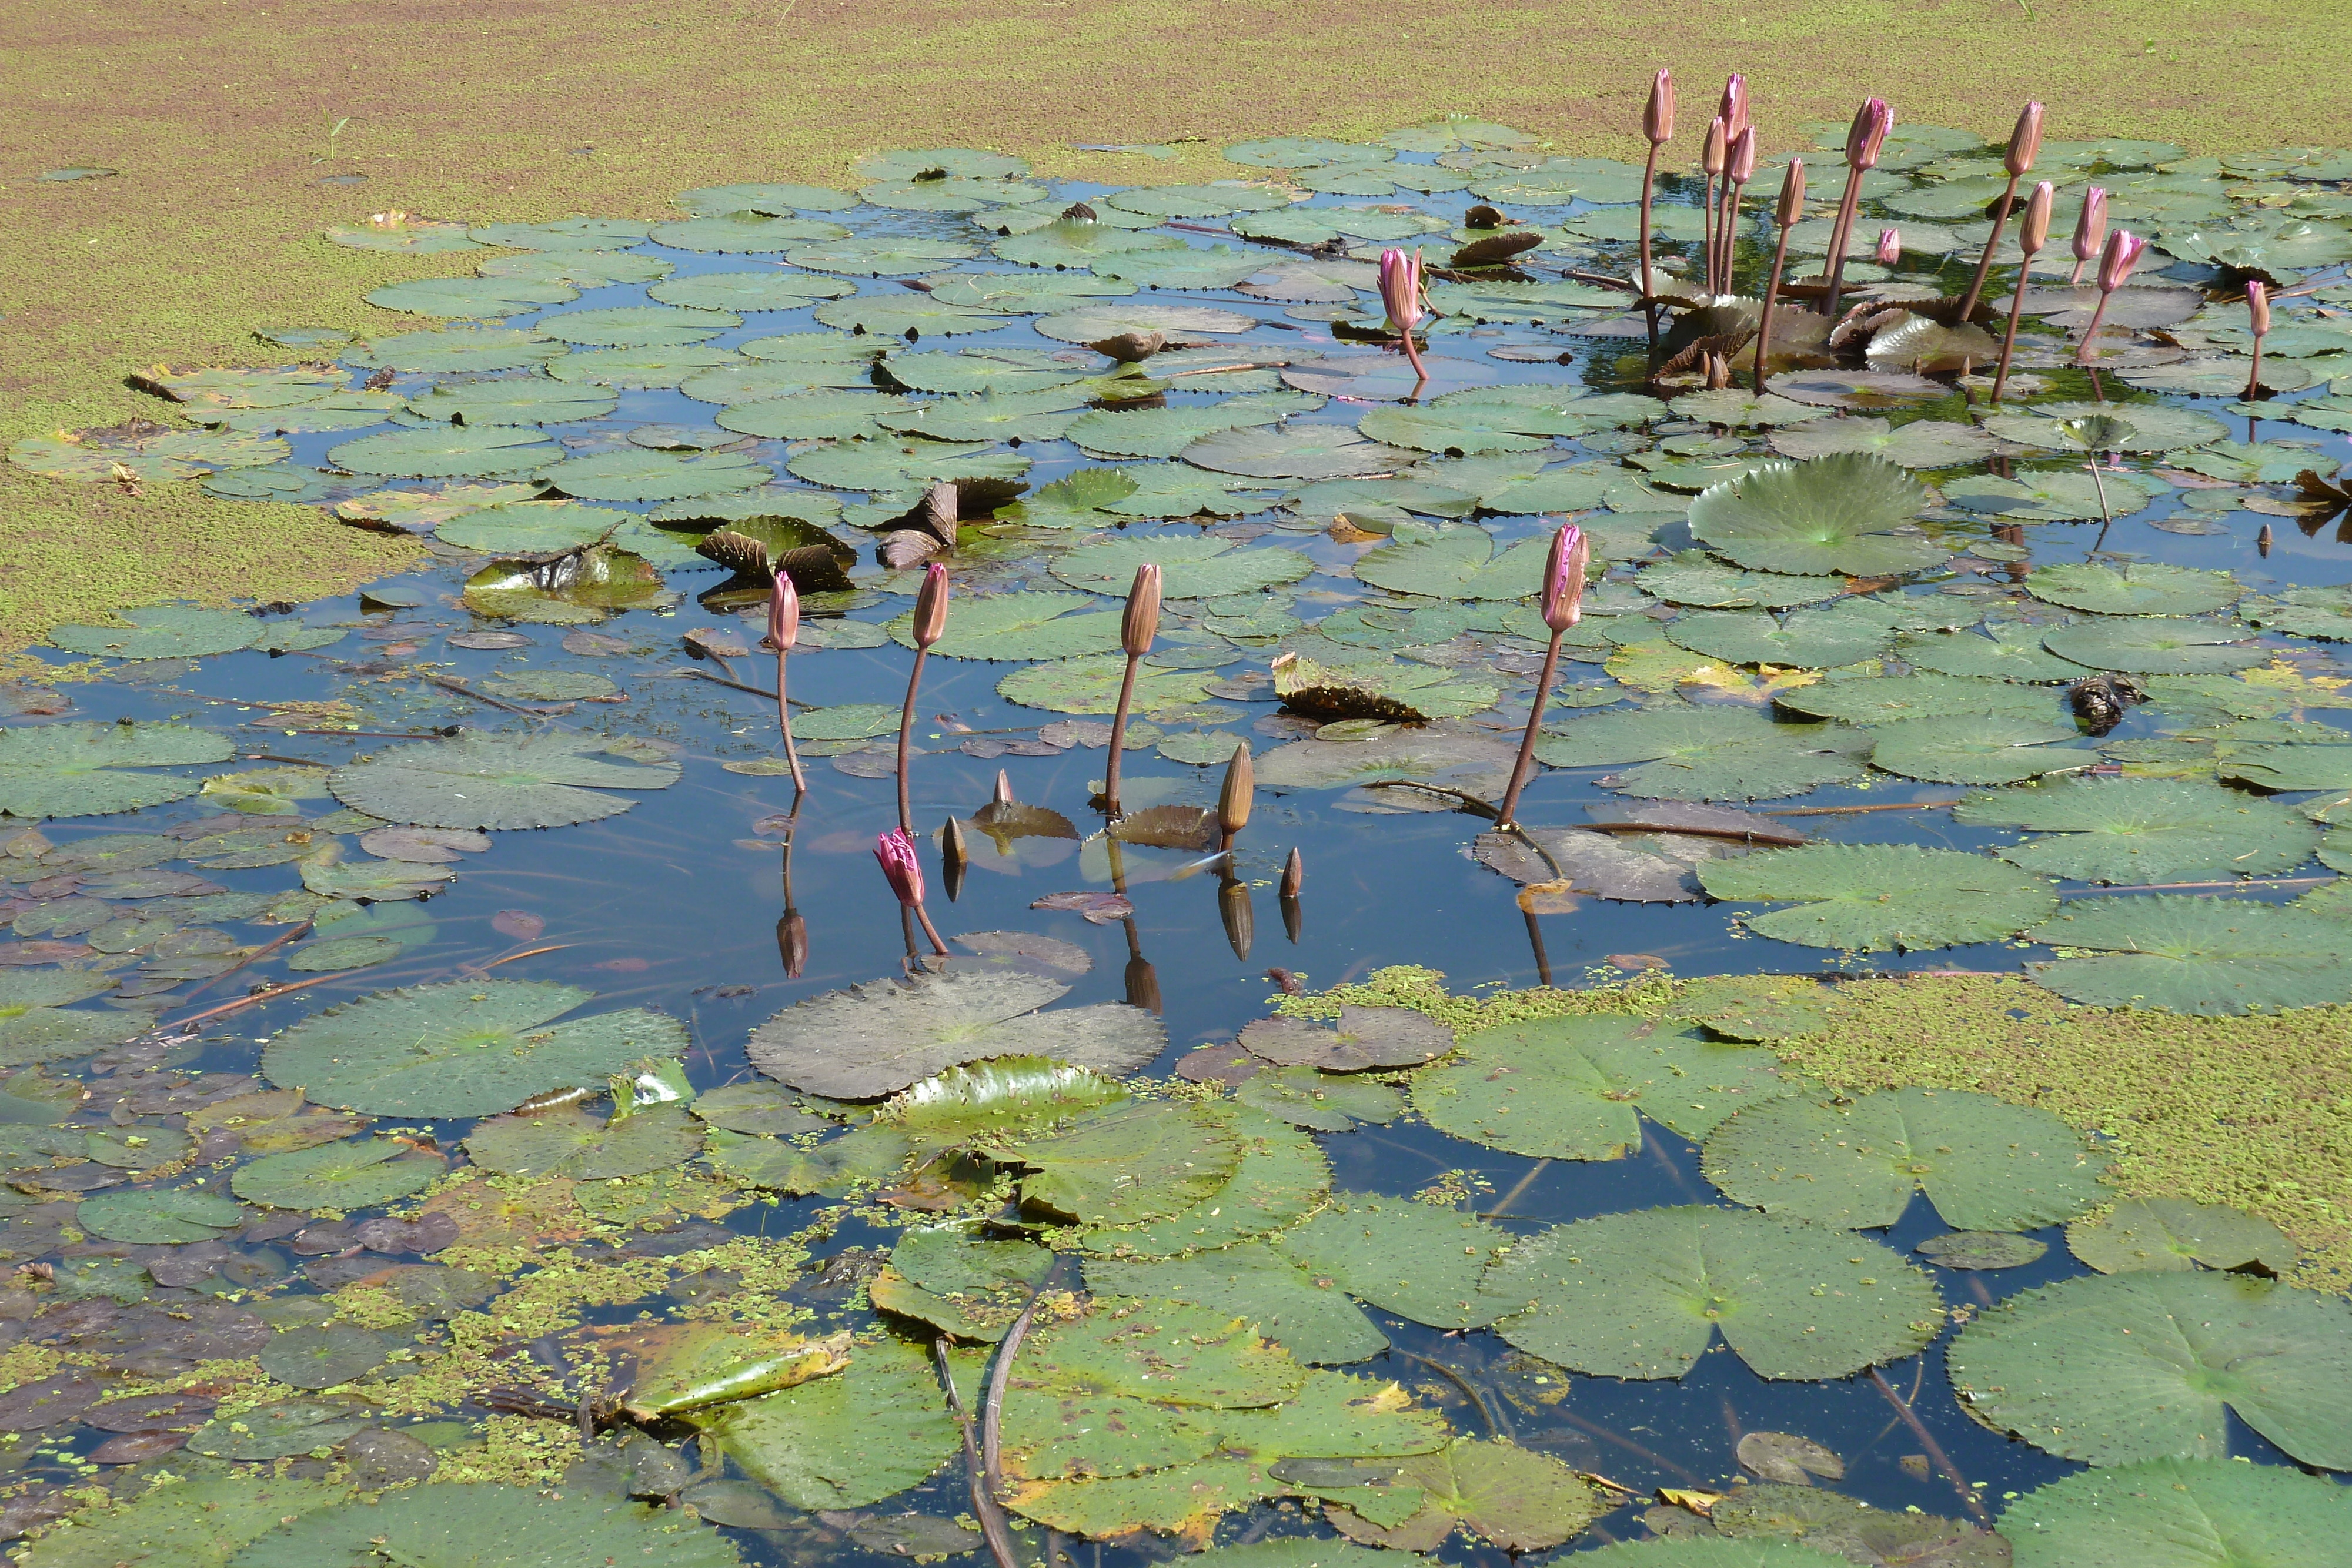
(1706, 753)
(1406, 1258)
(359, 1174)
(447, 452)
(495, 781)
(75, 770)
(1922, 444)
(2144, 830)
(459, 1049)
(1457, 564)
(450, 350)
(1279, 1178)
(1024, 625)
(1985, 1164)
(1641, 1295)
(1847, 514)
(326, 1358)
(1869, 898)
(1324, 1102)
(1815, 640)
(2175, 1513)
(2004, 653)
(640, 475)
(1295, 452)
(165, 632)
(1166, 432)
(169, 1216)
(1191, 567)
(873, 1039)
(1980, 748)
(449, 1521)
(1258, 1285)
(2140, 588)
(1577, 1088)
(1122, 1164)
(573, 1143)
(2114, 1369)
(2174, 1235)
(1981, 1249)
(2191, 954)
(1696, 578)
(1887, 699)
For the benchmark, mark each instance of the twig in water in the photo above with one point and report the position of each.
(270, 994)
(526, 953)
(1844, 810)
(1522, 1184)
(1935, 1450)
(1493, 1426)
(991, 1416)
(261, 952)
(745, 686)
(983, 1501)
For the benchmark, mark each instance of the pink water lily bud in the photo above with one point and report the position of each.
(1401, 288)
(783, 614)
(1734, 107)
(1792, 194)
(895, 852)
(2258, 306)
(1141, 625)
(2033, 228)
(1658, 116)
(1867, 135)
(1564, 574)
(1718, 138)
(2024, 143)
(931, 607)
(1890, 248)
(2116, 263)
(1741, 157)
(2091, 229)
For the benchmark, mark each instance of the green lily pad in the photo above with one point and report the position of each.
(1981, 1249)
(784, 197)
(573, 1143)
(1209, 201)
(167, 631)
(2174, 1513)
(1093, 323)
(813, 415)
(1466, 424)
(908, 315)
(495, 781)
(1295, 452)
(2175, 1235)
(488, 1522)
(1090, 684)
(1279, 1177)
(873, 1039)
(1458, 563)
(2140, 589)
(315, 1358)
(1026, 625)
(579, 268)
(2002, 653)
(514, 399)
(1405, 1257)
(2056, 496)
(2144, 830)
(1576, 1088)
(532, 528)
(639, 368)
(994, 416)
(2195, 955)
(474, 299)
(640, 475)
(1885, 700)
(1641, 1295)
(2321, 613)
(1073, 501)
(1694, 578)
(1980, 748)
(1985, 1164)
(1386, 691)
(167, 1215)
(75, 770)
(1124, 1165)
(1871, 898)
(564, 233)
(2133, 427)
(1706, 753)
(637, 326)
(735, 291)
(741, 232)
(904, 462)
(1922, 444)
(358, 1174)
(459, 1049)
(1258, 1285)
(2115, 1369)
(1808, 640)
(450, 350)
(1847, 514)
(1194, 567)
(879, 256)
(447, 452)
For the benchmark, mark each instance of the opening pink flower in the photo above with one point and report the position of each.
(1400, 296)
(2116, 263)
(1890, 247)
(904, 872)
(1571, 555)
(783, 614)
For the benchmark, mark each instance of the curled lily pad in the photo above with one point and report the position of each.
(846, 1441)
(495, 781)
(1849, 514)
(1870, 898)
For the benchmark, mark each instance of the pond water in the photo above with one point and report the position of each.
(174, 1212)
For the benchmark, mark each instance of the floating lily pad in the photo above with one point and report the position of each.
(2128, 427)
(2175, 1513)
(1922, 444)
(1365, 1037)
(530, 528)
(1980, 748)
(2141, 587)
(1279, 1177)
(994, 416)
(1197, 568)
(168, 1215)
(1981, 1249)
(727, 291)
(639, 475)
(75, 770)
(1090, 684)
(2054, 495)
(495, 781)
(2196, 954)
(1166, 432)
(1406, 1258)
(1807, 639)
(1847, 514)
(447, 452)
(2176, 1234)
(1694, 578)
(1258, 1285)
(457, 349)
(478, 298)
(2002, 653)
(516, 399)
(1641, 1295)
(1457, 564)
(1325, 1102)
(461, 1049)
(1126, 1163)
(573, 1143)
(2144, 830)
(359, 1174)
(1385, 691)
(2115, 1369)
(1887, 699)
(490, 1521)
(872, 1039)
(1026, 625)
(1707, 753)
(322, 1357)
(1295, 452)
(1869, 898)
(168, 631)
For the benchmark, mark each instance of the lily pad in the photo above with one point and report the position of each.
(2142, 588)
(202, 1522)
(167, 1215)
(1295, 452)
(2175, 1235)
(1123, 1165)
(1459, 564)
(2144, 830)
(461, 1049)
(1279, 1177)
(1090, 684)
(2175, 1513)
(495, 781)
(1870, 898)
(1981, 1249)
(1641, 1295)
(451, 350)
(1695, 577)
(1166, 432)
(1193, 568)
(2115, 1369)
(167, 631)
(1922, 444)
(1807, 639)
(488, 1522)
(2054, 495)
(1850, 514)
(730, 291)
(1406, 1258)
(447, 452)
(1706, 753)
(2131, 427)
(2196, 954)
(329, 1357)
(75, 770)
(1258, 1285)
(2002, 653)
(517, 400)
(639, 475)
(1887, 699)
(573, 1143)
(359, 1174)
(1980, 748)
(1026, 625)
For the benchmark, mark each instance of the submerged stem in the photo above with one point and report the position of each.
(1935, 1450)
(984, 1506)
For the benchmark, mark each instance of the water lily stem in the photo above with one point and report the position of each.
(1735, 190)
(259, 953)
(1503, 1205)
(1119, 731)
(1706, 262)
(1840, 232)
(1470, 804)
(1771, 295)
(1455, 1378)
(2009, 337)
(2254, 376)
(1505, 813)
(1413, 354)
(906, 738)
(1649, 190)
(984, 1506)
(784, 719)
(1535, 942)
(1935, 1455)
(2083, 354)
(991, 1416)
(1984, 262)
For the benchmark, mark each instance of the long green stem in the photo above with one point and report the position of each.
(1520, 769)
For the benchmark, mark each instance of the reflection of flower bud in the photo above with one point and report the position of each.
(1658, 118)
(1867, 135)
(1713, 153)
(2024, 143)
(1741, 157)
(2091, 229)
(2116, 263)
(1890, 248)
(2034, 229)
(783, 614)
(895, 852)
(1401, 288)
(1240, 792)
(1564, 571)
(1294, 874)
(1792, 194)
(932, 606)
(2258, 306)
(792, 943)
(1142, 623)
(1734, 107)
(1240, 920)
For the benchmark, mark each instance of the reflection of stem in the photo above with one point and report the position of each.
(1935, 1449)
(1523, 1183)
(1535, 940)
(1505, 812)
(906, 736)
(1119, 736)
(984, 1501)
(1486, 1413)
(2083, 354)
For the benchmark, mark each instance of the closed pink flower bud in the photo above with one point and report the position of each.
(895, 852)
(2024, 143)
(931, 607)
(1734, 107)
(2033, 228)
(783, 614)
(1712, 154)
(1742, 156)
(1141, 622)
(2258, 306)
(2091, 229)
(1792, 194)
(1890, 248)
(1401, 288)
(1867, 135)
(1658, 116)
(1564, 572)
(2116, 263)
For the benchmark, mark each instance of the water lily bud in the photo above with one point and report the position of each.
(932, 606)
(1867, 134)
(1401, 288)
(2258, 306)
(1240, 920)
(1658, 119)
(896, 852)
(1890, 248)
(1734, 107)
(2115, 261)
(1142, 623)
(1792, 194)
(954, 848)
(1294, 874)
(2024, 143)
(1711, 157)
(2091, 229)
(1742, 156)
(1234, 801)
(1564, 573)
(2033, 228)
(783, 614)
(793, 943)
